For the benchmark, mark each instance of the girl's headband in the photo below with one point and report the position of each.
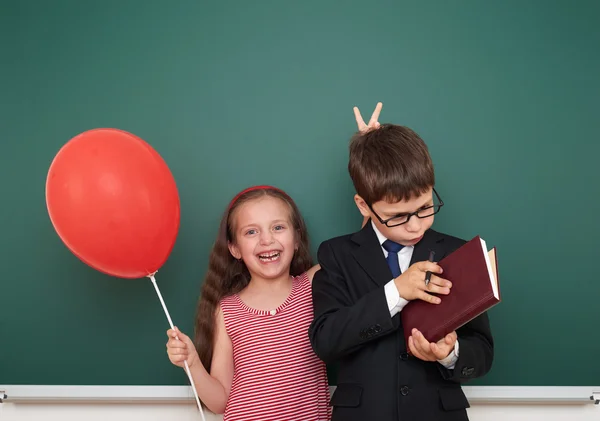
(249, 189)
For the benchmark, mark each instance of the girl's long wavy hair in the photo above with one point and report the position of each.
(227, 276)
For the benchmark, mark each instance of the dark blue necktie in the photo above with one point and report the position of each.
(392, 258)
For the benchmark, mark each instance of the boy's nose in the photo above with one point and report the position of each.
(413, 224)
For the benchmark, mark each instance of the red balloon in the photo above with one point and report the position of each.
(113, 201)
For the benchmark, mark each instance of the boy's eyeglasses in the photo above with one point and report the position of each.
(403, 218)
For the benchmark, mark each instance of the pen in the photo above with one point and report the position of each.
(428, 274)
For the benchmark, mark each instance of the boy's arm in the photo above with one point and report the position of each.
(476, 352)
(342, 325)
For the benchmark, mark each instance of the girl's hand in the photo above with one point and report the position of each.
(373, 123)
(180, 348)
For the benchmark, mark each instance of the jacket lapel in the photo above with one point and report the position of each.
(369, 255)
(431, 241)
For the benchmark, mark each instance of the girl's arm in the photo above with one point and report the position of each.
(311, 272)
(213, 389)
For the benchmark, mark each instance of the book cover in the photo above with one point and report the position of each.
(473, 271)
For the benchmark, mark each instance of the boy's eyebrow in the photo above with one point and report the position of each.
(426, 204)
(392, 214)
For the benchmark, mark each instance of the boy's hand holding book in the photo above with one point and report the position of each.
(411, 284)
(431, 351)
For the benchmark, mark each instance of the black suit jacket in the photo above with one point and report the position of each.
(377, 379)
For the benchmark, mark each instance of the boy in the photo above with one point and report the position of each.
(366, 278)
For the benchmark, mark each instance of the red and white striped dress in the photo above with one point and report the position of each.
(276, 376)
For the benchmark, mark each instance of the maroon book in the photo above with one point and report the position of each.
(472, 269)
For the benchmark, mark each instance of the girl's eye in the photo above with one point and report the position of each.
(279, 227)
(251, 232)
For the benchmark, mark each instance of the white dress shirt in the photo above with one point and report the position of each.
(396, 303)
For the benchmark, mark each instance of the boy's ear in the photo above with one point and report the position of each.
(362, 206)
(235, 252)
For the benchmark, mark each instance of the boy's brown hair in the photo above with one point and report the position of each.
(391, 163)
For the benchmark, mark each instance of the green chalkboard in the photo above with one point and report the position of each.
(506, 94)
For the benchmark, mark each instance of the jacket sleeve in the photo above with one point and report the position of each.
(342, 325)
(476, 351)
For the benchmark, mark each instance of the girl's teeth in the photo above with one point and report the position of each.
(269, 258)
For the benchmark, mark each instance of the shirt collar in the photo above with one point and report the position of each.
(382, 238)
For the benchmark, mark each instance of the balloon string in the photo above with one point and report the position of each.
(187, 368)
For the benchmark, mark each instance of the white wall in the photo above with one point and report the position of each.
(188, 412)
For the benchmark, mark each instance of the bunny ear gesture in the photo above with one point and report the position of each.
(373, 122)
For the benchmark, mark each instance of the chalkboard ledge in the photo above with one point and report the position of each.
(477, 395)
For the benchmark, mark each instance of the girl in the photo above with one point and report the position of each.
(251, 358)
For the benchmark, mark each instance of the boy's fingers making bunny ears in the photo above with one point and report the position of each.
(359, 120)
(373, 122)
